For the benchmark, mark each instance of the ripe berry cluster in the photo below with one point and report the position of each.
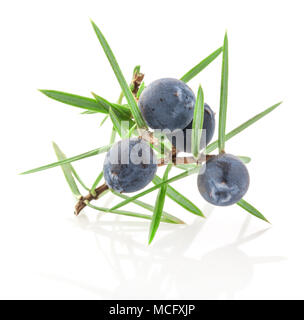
(169, 104)
(171, 126)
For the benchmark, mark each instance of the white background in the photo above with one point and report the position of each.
(46, 252)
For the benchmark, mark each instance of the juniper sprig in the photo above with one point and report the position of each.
(166, 103)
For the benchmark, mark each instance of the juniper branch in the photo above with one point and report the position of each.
(89, 197)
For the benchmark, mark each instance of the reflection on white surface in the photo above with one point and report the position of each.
(165, 270)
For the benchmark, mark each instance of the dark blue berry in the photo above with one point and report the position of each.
(223, 180)
(129, 165)
(167, 104)
(181, 139)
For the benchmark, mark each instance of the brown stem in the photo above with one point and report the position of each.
(99, 190)
(81, 202)
(148, 136)
(183, 160)
(136, 82)
(174, 153)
